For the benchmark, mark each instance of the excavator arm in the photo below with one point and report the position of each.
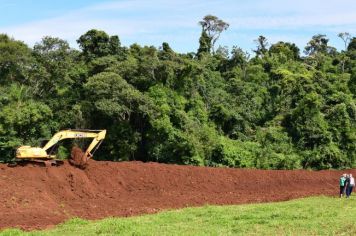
(97, 135)
(93, 144)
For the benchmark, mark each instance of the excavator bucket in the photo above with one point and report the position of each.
(78, 158)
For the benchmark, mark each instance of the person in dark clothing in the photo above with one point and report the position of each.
(347, 183)
(350, 185)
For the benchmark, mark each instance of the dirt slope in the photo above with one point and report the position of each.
(39, 197)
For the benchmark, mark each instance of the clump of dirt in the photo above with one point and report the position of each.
(78, 158)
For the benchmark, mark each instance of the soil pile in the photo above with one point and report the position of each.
(78, 158)
(39, 197)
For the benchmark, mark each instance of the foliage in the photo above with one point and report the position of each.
(276, 110)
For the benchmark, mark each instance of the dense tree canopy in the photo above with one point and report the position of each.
(276, 110)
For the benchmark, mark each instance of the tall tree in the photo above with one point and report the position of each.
(54, 60)
(212, 27)
(15, 60)
(290, 50)
(97, 43)
(262, 45)
(318, 44)
(346, 37)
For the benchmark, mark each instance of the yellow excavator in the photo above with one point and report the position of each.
(43, 155)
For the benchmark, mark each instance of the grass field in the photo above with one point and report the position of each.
(309, 216)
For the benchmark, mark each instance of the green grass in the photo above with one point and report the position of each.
(309, 216)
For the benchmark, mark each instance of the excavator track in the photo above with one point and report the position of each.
(37, 162)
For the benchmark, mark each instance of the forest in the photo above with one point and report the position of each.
(280, 107)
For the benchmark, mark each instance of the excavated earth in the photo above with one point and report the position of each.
(34, 197)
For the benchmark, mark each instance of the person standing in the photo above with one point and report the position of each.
(347, 183)
(342, 184)
(350, 185)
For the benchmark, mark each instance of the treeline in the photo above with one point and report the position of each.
(278, 109)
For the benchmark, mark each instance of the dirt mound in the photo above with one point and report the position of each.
(78, 158)
(38, 197)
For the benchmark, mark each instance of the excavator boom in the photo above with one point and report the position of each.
(74, 134)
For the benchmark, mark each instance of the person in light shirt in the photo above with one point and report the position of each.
(350, 186)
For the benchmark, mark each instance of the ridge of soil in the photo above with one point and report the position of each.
(34, 197)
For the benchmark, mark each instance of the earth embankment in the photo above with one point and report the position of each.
(33, 197)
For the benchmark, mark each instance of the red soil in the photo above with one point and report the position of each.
(35, 197)
(78, 158)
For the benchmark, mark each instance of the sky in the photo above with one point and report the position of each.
(151, 22)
